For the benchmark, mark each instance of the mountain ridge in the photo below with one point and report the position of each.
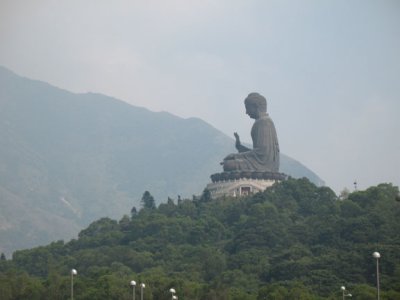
(71, 158)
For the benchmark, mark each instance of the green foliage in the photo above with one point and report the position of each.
(19, 285)
(293, 241)
(148, 200)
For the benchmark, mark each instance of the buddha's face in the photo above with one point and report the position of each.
(252, 110)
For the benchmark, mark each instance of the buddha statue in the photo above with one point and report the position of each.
(264, 157)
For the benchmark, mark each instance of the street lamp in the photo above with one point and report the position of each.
(73, 273)
(142, 286)
(343, 288)
(133, 284)
(173, 292)
(377, 256)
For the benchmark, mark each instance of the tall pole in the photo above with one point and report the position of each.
(73, 273)
(133, 284)
(343, 288)
(142, 286)
(377, 277)
(141, 292)
(377, 255)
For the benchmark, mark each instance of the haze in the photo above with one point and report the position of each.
(330, 70)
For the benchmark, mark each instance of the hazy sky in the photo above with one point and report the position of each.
(330, 70)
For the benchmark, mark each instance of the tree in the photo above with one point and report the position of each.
(206, 196)
(133, 212)
(124, 223)
(148, 200)
(272, 291)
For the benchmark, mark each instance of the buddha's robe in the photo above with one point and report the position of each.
(264, 157)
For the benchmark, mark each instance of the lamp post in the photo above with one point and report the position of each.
(343, 289)
(377, 256)
(73, 273)
(133, 284)
(142, 286)
(173, 292)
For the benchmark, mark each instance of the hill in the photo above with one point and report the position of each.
(293, 241)
(67, 159)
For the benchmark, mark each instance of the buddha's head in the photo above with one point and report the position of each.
(255, 105)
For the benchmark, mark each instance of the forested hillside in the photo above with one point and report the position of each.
(293, 241)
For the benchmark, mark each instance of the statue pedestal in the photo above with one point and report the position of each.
(242, 183)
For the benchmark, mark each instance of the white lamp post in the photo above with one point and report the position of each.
(343, 289)
(73, 273)
(172, 291)
(133, 284)
(377, 256)
(142, 286)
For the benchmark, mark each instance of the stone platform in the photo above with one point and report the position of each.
(242, 183)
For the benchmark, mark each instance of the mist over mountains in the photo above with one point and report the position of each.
(67, 159)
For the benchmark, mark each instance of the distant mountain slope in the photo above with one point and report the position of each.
(67, 159)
